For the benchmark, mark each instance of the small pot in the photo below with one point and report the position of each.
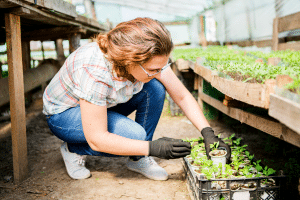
(217, 158)
(189, 158)
(235, 186)
(271, 182)
(250, 186)
(198, 173)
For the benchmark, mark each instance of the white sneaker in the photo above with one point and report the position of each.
(75, 163)
(148, 167)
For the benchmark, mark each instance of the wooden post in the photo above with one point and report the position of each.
(275, 35)
(26, 66)
(200, 90)
(43, 51)
(16, 93)
(60, 51)
(248, 21)
(26, 55)
(0, 69)
(74, 42)
(202, 34)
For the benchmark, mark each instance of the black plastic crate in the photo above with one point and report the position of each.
(203, 189)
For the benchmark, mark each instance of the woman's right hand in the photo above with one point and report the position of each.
(169, 148)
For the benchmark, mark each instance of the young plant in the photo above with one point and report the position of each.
(268, 171)
(237, 142)
(257, 166)
(248, 155)
(208, 172)
(214, 146)
(228, 140)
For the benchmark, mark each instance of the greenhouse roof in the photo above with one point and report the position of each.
(171, 7)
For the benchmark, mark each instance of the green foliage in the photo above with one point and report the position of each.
(242, 66)
(268, 171)
(214, 146)
(237, 142)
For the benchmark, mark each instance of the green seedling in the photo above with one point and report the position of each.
(237, 142)
(248, 155)
(228, 140)
(214, 146)
(268, 171)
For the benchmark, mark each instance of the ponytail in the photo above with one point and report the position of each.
(102, 41)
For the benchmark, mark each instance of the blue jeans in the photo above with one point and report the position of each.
(148, 104)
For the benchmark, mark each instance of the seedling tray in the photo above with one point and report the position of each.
(203, 189)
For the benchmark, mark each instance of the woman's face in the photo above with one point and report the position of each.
(149, 70)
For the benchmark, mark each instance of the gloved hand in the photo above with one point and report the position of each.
(169, 148)
(210, 138)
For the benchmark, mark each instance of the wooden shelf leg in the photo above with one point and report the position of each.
(200, 90)
(74, 42)
(26, 66)
(16, 93)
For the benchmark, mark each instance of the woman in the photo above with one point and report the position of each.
(101, 83)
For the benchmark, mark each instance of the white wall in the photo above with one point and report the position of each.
(179, 33)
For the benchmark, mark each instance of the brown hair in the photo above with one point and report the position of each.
(135, 42)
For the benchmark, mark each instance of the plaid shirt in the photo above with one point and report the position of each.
(88, 75)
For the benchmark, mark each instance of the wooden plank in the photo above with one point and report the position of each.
(56, 19)
(61, 6)
(289, 22)
(290, 45)
(16, 93)
(266, 125)
(282, 80)
(182, 65)
(88, 21)
(275, 35)
(18, 11)
(251, 93)
(52, 33)
(55, 6)
(202, 71)
(286, 111)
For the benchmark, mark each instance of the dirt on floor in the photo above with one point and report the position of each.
(48, 179)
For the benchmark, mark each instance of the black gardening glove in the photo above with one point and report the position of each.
(210, 138)
(169, 148)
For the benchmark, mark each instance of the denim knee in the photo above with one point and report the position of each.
(125, 127)
(139, 133)
(156, 88)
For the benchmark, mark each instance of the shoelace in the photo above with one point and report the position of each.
(80, 160)
(151, 160)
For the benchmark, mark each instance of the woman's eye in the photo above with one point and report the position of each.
(155, 70)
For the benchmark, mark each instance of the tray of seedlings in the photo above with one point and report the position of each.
(242, 178)
(255, 70)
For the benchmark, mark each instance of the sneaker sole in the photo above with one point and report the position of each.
(156, 179)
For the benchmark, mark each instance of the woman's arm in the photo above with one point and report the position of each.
(94, 123)
(183, 98)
